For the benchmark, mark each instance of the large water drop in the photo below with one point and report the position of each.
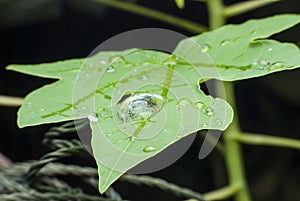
(140, 106)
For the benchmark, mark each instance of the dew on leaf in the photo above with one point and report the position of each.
(109, 133)
(110, 69)
(144, 77)
(205, 48)
(42, 109)
(270, 49)
(200, 105)
(149, 148)
(92, 117)
(29, 104)
(209, 111)
(184, 102)
(204, 125)
(140, 106)
(172, 60)
(103, 62)
(278, 64)
(218, 122)
(225, 42)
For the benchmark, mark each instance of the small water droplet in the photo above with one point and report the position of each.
(92, 117)
(42, 109)
(278, 64)
(146, 63)
(29, 104)
(110, 69)
(87, 74)
(144, 77)
(209, 111)
(218, 122)
(140, 106)
(184, 102)
(225, 42)
(114, 59)
(205, 48)
(204, 125)
(84, 108)
(172, 60)
(77, 77)
(200, 105)
(119, 141)
(270, 49)
(103, 62)
(261, 64)
(149, 149)
(109, 133)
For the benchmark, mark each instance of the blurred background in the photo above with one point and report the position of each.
(36, 31)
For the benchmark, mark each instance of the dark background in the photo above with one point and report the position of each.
(35, 31)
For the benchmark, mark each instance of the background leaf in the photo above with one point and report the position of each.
(180, 3)
(241, 51)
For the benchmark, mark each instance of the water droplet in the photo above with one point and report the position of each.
(200, 105)
(218, 122)
(262, 64)
(205, 48)
(110, 69)
(29, 104)
(184, 102)
(77, 77)
(278, 64)
(146, 63)
(109, 133)
(172, 60)
(84, 108)
(225, 42)
(42, 109)
(144, 77)
(204, 125)
(87, 74)
(119, 141)
(270, 49)
(149, 149)
(209, 111)
(92, 117)
(114, 59)
(103, 62)
(140, 106)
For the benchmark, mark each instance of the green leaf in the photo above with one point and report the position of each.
(98, 88)
(180, 3)
(242, 51)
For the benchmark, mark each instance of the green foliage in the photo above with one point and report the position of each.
(180, 3)
(242, 51)
(95, 88)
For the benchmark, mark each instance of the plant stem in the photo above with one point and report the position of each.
(154, 14)
(243, 7)
(255, 139)
(219, 194)
(10, 101)
(233, 152)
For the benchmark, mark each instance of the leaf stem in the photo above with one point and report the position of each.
(154, 14)
(256, 139)
(10, 101)
(243, 7)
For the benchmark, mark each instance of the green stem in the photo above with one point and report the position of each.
(215, 11)
(255, 139)
(233, 152)
(219, 194)
(154, 14)
(243, 7)
(10, 101)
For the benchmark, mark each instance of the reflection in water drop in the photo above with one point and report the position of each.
(205, 48)
(140, 106)
(149, 149)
